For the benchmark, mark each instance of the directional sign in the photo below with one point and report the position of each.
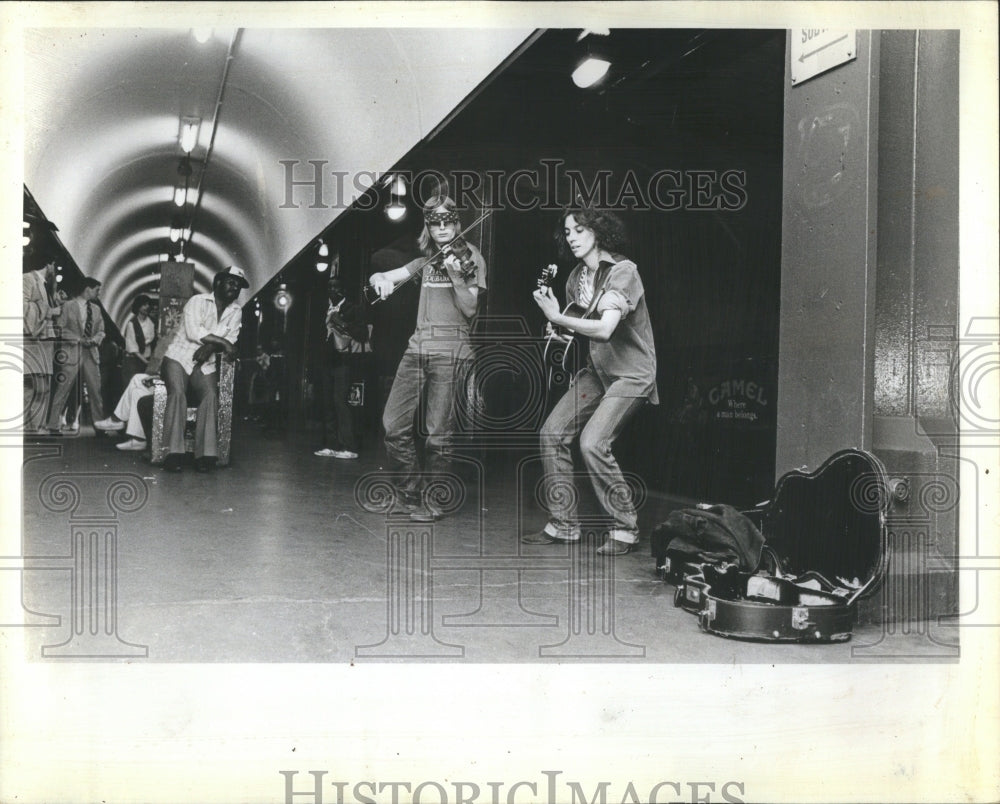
(816, 50)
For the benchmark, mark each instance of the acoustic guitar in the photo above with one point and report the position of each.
(565, 350)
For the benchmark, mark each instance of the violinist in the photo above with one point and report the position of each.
(433, 367)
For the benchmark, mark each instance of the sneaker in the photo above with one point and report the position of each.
(133, 444)
(326, 452)
(344, 453)
(109, 424)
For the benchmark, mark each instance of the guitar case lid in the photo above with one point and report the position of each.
(831, 521)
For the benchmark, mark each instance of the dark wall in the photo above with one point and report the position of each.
(712, 275)
(707, 105)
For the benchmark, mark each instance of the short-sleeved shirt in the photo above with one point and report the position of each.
(200, 319)
(442, 327)
(625, 364)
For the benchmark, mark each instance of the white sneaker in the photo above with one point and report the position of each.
(344, 453)
(326, 452)
(132, 445)
(110, 424)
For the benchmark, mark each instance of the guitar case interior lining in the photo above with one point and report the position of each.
(825, 548)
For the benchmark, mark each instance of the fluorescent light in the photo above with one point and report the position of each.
(590, 72)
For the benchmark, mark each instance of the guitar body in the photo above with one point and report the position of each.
(565, 351)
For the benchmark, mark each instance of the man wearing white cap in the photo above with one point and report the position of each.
(210, 324)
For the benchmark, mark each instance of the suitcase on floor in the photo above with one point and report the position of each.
(825, 549)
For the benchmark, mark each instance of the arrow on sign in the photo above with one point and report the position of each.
(805, 56)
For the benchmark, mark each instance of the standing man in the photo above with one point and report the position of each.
(82, 325)
(434, 363)
(39, 332)
(346, 338)
(210, 324)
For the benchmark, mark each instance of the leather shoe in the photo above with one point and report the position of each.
(539, 537)
(172, 463)
(423, 513)
(614, 547)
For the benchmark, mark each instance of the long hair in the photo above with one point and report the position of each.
(437, 203)
(608, 229)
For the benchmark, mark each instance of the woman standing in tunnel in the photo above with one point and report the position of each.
(434, 363)
(140, 338)
(618, 379)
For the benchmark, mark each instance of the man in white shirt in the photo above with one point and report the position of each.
(210, 324)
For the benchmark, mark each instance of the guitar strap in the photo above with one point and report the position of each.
(600, 282)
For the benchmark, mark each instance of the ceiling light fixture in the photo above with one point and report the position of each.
(188, 134)
(201, 35)
(594, 65)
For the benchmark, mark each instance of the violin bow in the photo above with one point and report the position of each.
(425, 263)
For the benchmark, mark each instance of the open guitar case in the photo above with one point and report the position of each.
(825, 548)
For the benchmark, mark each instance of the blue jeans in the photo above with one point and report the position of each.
(427, 382)
(598, 419)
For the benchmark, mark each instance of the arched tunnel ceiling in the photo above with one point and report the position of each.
(102, 111)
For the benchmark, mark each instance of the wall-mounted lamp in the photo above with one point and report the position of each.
(180, 196)
(187, 136)
(282, 298)
(324, 249)
(594, 65)
(175, 230)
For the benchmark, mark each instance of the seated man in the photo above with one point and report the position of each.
(126, 414)
(210, 324)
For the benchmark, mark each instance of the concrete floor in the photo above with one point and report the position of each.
(276, 559)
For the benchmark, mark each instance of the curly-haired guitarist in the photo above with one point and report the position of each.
(618, 379)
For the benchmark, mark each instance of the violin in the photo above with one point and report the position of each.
(458, 248)
(462, 252)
